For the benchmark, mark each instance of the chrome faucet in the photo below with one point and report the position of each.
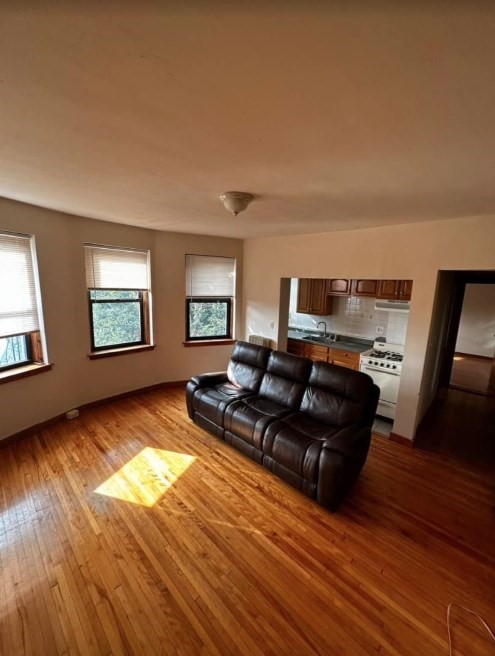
(318, 325)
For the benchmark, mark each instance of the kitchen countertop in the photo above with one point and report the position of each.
(345, 343)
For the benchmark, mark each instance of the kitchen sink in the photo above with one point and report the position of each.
(317, 338)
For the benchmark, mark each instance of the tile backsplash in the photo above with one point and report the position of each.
(352, 315)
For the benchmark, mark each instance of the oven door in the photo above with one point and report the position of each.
(387, 381)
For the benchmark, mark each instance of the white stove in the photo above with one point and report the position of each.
(384, 356)
(384, 364)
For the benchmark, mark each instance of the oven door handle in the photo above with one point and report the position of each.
(365, 368)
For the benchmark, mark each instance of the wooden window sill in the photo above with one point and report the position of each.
(110, 353)
(23, 372)
(209, 342)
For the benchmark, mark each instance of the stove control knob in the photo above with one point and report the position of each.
(382, 364)
(388, 366)
(394, 366)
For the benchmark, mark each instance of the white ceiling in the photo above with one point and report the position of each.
(334, 119)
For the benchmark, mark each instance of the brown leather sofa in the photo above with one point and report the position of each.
(308, 422)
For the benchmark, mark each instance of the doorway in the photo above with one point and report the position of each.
(473, 361)
(461, 418)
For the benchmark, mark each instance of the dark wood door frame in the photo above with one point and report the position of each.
(462, 278)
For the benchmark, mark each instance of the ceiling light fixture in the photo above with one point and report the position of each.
(236, 201)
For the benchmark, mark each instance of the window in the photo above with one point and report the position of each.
(118, 283)
(210, 290)
(20, 308)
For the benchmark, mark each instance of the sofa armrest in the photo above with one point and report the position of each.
(349, 440)
(341, 459)
(210, 379)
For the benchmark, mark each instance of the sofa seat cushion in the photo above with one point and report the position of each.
(212, 401)
(249, 418)
(296, 442)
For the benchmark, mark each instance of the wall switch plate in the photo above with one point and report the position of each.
(272, 324)
(379, 330)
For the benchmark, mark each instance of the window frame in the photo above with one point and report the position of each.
(229, 300)
(210, 279)
(143, 309)
(29, 350)
(34, 336)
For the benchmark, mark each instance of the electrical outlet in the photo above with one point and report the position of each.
(379, 330)
(272, 324)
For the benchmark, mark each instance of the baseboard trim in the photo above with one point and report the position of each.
(399, 439)
(126, 395)
(36, 428)
(26, 432)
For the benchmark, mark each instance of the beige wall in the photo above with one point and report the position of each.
(74, 379)
(414, 252)
(477, 325)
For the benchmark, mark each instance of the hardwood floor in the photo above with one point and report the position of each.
(461, 425)
(471, 374)
(211, 554)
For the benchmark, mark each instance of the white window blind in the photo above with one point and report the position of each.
(208, 276)
(18, 304)
(116, 268)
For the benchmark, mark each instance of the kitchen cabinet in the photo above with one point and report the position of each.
(312, 296)
(296, 347)
(397, 290)
(320, 353)
(365, 288)
(316, 352)
(339, 287)
(348, 359)
(405, 290)
(306, 350)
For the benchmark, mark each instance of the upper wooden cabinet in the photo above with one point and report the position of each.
(312, 296)
(339, 287)
(405, 290)
(397, 290)
(365, 288)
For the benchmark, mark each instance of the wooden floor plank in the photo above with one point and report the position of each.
(227, 559)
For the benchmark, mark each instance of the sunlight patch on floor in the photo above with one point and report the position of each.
(146, 478)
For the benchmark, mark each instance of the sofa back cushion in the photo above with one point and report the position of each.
(285, 379)
(247, 366)
(337, 396)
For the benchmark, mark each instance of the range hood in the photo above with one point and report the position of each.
(392, 306)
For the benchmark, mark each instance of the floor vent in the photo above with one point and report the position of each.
(259, 340)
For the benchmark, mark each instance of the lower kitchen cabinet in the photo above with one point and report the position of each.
(348, 359)
(317, 353)
(296, 347)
